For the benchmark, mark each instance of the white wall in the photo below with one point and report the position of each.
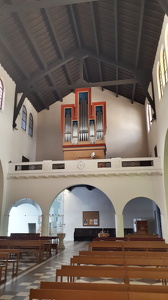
(75, 202)
(140, 208)
(158, 131)
(14, 143)
(157, 134)
(126, 127)
(81, 199)
(20, 217)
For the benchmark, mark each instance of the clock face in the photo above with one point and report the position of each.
(80, 165)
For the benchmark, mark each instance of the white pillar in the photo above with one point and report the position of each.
(164, 222)
(45, 225)
(4, 226)
(119, 224)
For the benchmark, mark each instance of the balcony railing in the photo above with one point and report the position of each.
(95, 166)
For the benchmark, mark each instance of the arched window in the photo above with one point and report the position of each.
(149, 116)
(159, 81)
(1, 93)
(165, 66)
(30, 131)
(166, 41)
(24, 118)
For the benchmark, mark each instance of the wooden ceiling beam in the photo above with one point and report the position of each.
(31, 5)
(83, 84)
(164, 5)
(138, 42)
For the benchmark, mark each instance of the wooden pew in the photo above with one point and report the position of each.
(128, 245)
(106, 245)
(146, 296)
(87, 286)
(134, 237)
(62, 294)
(70, 272)
(119, 261)
(27, 246)
(104, 286)
(101, 253)
(10, 256)
(145, 245)
(59, 294)
(151, 254)
(124, 273)
(53, 240)
(3, 267)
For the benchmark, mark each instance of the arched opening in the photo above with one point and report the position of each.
(68, 209)
(25, 217)
(142, 208)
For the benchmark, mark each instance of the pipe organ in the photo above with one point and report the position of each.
(83, 127)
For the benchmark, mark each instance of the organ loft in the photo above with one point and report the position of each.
(83, 127)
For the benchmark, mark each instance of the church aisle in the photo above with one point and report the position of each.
(18, 288)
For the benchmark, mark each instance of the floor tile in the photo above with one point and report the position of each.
(23, 294)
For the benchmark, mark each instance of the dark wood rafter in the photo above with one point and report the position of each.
(37, 52)
(164, 6)
(116, 41)
(17, 61)
(81, 69)
(15, 58)
(81, 55)
(138, 43)
(53, 66)
(83, 84)
(56, 39)
(76, 32)
(139, 73)
(103, 35)
(17, 107)
(14, 7)
(96, 38)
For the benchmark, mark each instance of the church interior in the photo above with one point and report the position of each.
(84, 131)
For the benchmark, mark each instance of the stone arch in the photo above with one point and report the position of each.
(24, 215)
(76, 199)
(145, 209)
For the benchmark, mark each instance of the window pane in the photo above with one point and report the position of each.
(30, 125)
(24, 118)
(1, 93)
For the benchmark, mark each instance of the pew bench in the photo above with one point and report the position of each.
(10, 256)
(104, 286)
(69, 273)
(36, 247)
(119, 261)
(128, 246)
(119, 254)
(63, 294)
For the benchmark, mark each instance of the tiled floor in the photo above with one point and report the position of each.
(30, 274)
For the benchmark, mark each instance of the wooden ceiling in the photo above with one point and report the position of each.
(49, 48)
